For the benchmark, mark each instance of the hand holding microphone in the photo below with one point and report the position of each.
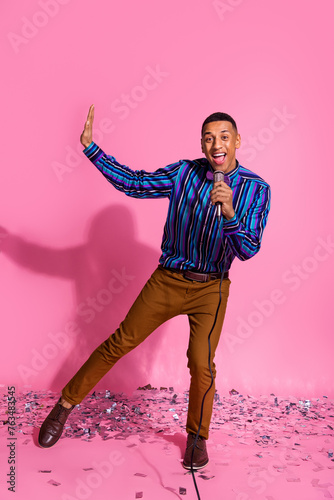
(221, 195)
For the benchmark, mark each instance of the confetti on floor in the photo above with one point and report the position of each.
(265, 448)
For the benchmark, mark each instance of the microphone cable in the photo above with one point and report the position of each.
(211, 374)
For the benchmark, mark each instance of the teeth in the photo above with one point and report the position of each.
(220, 154)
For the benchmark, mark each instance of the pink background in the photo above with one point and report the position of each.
(66, 232)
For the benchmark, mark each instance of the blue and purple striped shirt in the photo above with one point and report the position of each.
(193, 238)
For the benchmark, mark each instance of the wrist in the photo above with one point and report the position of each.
(229, 215)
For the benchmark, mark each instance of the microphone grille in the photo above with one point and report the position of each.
(218, 176)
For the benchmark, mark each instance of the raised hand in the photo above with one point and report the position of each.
(87, 134)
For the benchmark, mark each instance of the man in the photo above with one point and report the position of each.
(193, 273)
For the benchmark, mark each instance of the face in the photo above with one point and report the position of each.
(219, 142)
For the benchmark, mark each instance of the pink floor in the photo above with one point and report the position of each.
(120, 447)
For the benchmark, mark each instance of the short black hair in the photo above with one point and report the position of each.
(220, 117)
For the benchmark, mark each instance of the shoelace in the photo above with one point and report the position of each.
(199, 440)
(60, 410)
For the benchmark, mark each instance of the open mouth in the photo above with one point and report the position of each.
(219, 158)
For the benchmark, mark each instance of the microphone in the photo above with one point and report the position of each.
(218, 175)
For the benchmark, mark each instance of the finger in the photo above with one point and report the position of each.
(90, 111)
(90, 116)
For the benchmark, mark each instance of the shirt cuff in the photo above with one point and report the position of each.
(231, 226)
(93, 152)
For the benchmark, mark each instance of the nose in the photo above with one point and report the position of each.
(217, 144)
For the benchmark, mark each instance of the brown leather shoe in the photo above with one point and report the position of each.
(200, 458)
(53, 425)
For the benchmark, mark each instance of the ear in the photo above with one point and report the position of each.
(238, 141)
(202, 145)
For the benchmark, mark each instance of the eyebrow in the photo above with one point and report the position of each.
(222, 131)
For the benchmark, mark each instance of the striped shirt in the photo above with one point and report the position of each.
(193, 238)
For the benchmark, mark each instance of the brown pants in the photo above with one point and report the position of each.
(165, 295)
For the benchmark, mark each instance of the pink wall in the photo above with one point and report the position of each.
(154, 71)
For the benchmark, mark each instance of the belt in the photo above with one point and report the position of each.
(195, 276)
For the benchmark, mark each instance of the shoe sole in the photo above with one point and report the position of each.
(188, 467)
(47, 447)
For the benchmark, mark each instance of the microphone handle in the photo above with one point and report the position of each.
(219, 210)
(218, 176)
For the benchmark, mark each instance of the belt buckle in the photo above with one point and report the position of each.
(205, 277)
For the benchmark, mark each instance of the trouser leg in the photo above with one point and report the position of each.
(158, 301)
(201, 312)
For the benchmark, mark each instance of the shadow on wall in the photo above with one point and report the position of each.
(107, 273)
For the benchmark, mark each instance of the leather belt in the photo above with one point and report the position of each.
(195, 276)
